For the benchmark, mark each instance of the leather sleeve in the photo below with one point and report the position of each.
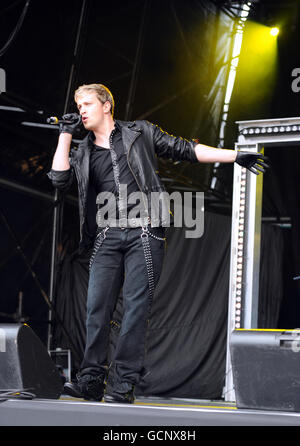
(61, 179)
(174, 147)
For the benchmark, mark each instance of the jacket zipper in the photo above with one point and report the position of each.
(81, 193)
(145, 204)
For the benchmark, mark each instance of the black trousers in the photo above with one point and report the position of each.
(121, 260)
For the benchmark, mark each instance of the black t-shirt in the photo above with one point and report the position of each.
(102, 176)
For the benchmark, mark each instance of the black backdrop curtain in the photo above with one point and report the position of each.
(281, 199)
(186, 345)
(271, 283)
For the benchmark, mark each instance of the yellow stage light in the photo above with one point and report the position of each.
(257, 70)
(274, 32)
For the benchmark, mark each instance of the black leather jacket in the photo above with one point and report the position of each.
(143, 142)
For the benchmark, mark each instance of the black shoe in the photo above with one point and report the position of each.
(124, 393)
(88, 387)
(72, 389)
(119, 398)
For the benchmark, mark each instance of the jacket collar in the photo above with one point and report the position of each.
(129, 133)
(127, 124)
(129, 129)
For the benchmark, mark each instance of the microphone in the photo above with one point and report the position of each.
(55, 120)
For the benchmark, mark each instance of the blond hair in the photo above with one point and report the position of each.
(102, 92)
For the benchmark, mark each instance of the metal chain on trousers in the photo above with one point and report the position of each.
(149, 261)
(149, 264)
(163, 239)
(98, 242)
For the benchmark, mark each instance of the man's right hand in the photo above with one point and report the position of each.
(75, 125)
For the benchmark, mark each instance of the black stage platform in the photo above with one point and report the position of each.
(67, 411)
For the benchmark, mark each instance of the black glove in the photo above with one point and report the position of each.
(75, 125)
(252, 161)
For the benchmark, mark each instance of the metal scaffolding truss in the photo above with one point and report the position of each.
(254, 135)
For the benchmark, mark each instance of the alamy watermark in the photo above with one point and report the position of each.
(140, 209)
(296, 82)
(2, 81)
(2, 341)
(295, 344)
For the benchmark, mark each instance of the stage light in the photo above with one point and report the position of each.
(253, 131)
(274, 31)
(257, 70)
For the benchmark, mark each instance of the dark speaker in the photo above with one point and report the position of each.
(266, 369)
(26, 364)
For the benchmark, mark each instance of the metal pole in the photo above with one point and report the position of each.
(136, 65)
(58, 205)
(53, 266)
(76, 48)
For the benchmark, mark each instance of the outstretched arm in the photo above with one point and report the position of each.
(207, 154)
(254, 161)
(177, 148)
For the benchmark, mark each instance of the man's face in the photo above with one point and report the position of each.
(92, 111)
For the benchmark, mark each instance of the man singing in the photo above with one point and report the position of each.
(127, 251)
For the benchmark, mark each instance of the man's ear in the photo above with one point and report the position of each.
(107, 107)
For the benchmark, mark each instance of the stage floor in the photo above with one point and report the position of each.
(149, 411)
